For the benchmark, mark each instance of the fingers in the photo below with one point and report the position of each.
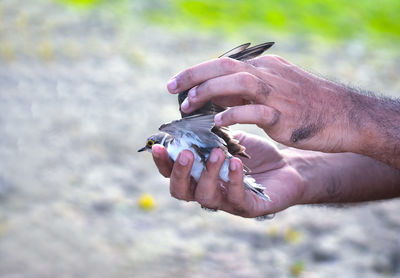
(162, 160)
(195, 75)
(242, 84)
(261, 115)
(237, 199)
(180, 177)
(208, 192)
(236, 193)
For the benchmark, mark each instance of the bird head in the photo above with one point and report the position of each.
(158, 138)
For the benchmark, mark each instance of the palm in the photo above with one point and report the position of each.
(269, 168)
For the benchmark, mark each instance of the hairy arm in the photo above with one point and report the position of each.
(377, 122)
(343, 177)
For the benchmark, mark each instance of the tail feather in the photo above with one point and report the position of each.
(251, 184)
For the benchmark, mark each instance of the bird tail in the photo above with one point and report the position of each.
(251, 184)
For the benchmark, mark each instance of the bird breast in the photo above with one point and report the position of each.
(176, 146)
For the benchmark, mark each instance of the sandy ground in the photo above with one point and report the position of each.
(78, 96)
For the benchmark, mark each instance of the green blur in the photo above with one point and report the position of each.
(328, 19)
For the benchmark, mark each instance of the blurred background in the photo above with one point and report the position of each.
(82, 85)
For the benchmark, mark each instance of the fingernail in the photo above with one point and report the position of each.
(172, 85)
(155, 152)
(218, 119)
(214, 156)
(232, 165)
(183, 159)
(185, 105)
(193, 93)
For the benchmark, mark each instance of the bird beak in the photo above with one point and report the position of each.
(142, 149)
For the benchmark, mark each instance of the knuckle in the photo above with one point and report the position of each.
(274, 58)
(268, 59)
(262, 91)
(260, 111)
(262, 115)
(267, 117)
(246, 80)
(228, 64)
(275, 117)
(262, 60)
(280, 59)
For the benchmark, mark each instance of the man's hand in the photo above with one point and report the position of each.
(291, 177)
(294, 107)
(267, 166)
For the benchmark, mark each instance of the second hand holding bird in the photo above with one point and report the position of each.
(268, 168)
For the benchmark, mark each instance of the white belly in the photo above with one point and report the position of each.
(198, 166)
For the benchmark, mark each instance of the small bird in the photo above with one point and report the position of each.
(197, 132)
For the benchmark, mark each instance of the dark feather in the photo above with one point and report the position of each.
(235, 50)
(202, 152)
(252, 52)
(232, 144)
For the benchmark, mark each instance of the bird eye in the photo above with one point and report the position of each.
(150, 143)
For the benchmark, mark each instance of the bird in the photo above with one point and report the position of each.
(197, 132)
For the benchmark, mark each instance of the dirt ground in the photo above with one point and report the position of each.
(79, 94)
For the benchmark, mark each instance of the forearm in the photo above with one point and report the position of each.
(343, 177)
(373, 127)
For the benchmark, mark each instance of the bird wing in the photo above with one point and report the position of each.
(198, 127)
(235, 50)
(252, 52)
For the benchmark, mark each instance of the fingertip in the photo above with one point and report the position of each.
(185, 157)
(172, 85)
(162, 160)
(185, 105)
(235, 165)
(236, 190)
(236, 171)
(218, 119)
(157, 150)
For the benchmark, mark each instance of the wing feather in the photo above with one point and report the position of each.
(252, 52)
(194, 126)
(235, 50)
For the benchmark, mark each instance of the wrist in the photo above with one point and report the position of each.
(314, 173)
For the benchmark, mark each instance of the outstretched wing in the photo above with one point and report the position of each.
(241, 53)
(198, 127)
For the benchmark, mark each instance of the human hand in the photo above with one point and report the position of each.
(283, 183)
(293, 107)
